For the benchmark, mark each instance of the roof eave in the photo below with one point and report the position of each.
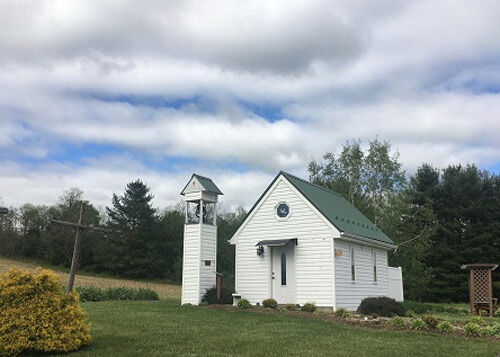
(233, 239)
(217, 191)
(367, 240)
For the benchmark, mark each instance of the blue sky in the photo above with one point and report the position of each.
(96, 94)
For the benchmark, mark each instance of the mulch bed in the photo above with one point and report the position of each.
(356, 320)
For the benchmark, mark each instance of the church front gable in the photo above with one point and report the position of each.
(284, 214)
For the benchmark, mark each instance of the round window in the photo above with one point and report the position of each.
(282, 210)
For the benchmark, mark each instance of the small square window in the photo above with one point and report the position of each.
(208, 263)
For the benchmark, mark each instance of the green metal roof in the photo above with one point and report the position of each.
(207, 184)
(337, 210)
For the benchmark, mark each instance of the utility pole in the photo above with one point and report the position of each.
(80, 227)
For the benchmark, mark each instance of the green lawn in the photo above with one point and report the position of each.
(163, 328)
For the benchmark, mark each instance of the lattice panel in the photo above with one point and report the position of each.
(481, 285)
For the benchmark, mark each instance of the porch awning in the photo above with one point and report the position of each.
(276, 242)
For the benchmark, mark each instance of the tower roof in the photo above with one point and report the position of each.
(205, 184)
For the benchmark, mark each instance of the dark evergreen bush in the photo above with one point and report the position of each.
(382, 305)
(210, 296)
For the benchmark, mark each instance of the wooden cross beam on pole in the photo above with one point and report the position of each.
(80, 227)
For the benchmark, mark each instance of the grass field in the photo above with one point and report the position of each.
(164, 328)
(164, 290)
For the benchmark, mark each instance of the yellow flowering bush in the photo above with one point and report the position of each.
(35, 315)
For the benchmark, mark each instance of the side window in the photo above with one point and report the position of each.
(374, 259)
(353, 263)
(283, 269)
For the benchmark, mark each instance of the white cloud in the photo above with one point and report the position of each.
(99, 178)
(271, 36)
(423, 74)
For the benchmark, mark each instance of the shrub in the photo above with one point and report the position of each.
(342, 313)
(270, 303)
(51, 321)
(381, 305)
(445, 326)
(496, 328)
(117, 294)
(487, 331)
(146, 294)
(398, 321)
(411, 313)
(244, 304)
(431, 321)
(290, 307)
(419, 324)
(308, 307)
(415, 306)
(472, 329)
(92, 293)
(210, 297)
(477, 320)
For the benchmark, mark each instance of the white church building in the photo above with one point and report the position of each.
(299, 243)
(303, 243)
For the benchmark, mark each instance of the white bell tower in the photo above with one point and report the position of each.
(200, 238)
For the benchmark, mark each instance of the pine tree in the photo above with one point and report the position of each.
(466, 206)
(134, 248)
(412, 227)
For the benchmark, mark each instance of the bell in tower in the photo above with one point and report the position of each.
(200, 238)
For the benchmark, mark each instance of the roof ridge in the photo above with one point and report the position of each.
(206, 183)
(203, 177)
(344, 216)
(311, 183)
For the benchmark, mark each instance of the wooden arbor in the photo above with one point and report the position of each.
(480, 288)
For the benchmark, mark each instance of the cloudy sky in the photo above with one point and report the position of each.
(97, 93)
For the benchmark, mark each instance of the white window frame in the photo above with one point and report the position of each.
(374, 264)
(352, 256)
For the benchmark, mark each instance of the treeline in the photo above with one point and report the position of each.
(439, 219)
(138, 241)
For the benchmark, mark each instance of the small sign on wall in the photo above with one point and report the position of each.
(338, 253)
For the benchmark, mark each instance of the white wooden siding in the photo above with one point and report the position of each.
(313, 254)
(395, 282)
(348, 293)
(208, 252)
(191, 266)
